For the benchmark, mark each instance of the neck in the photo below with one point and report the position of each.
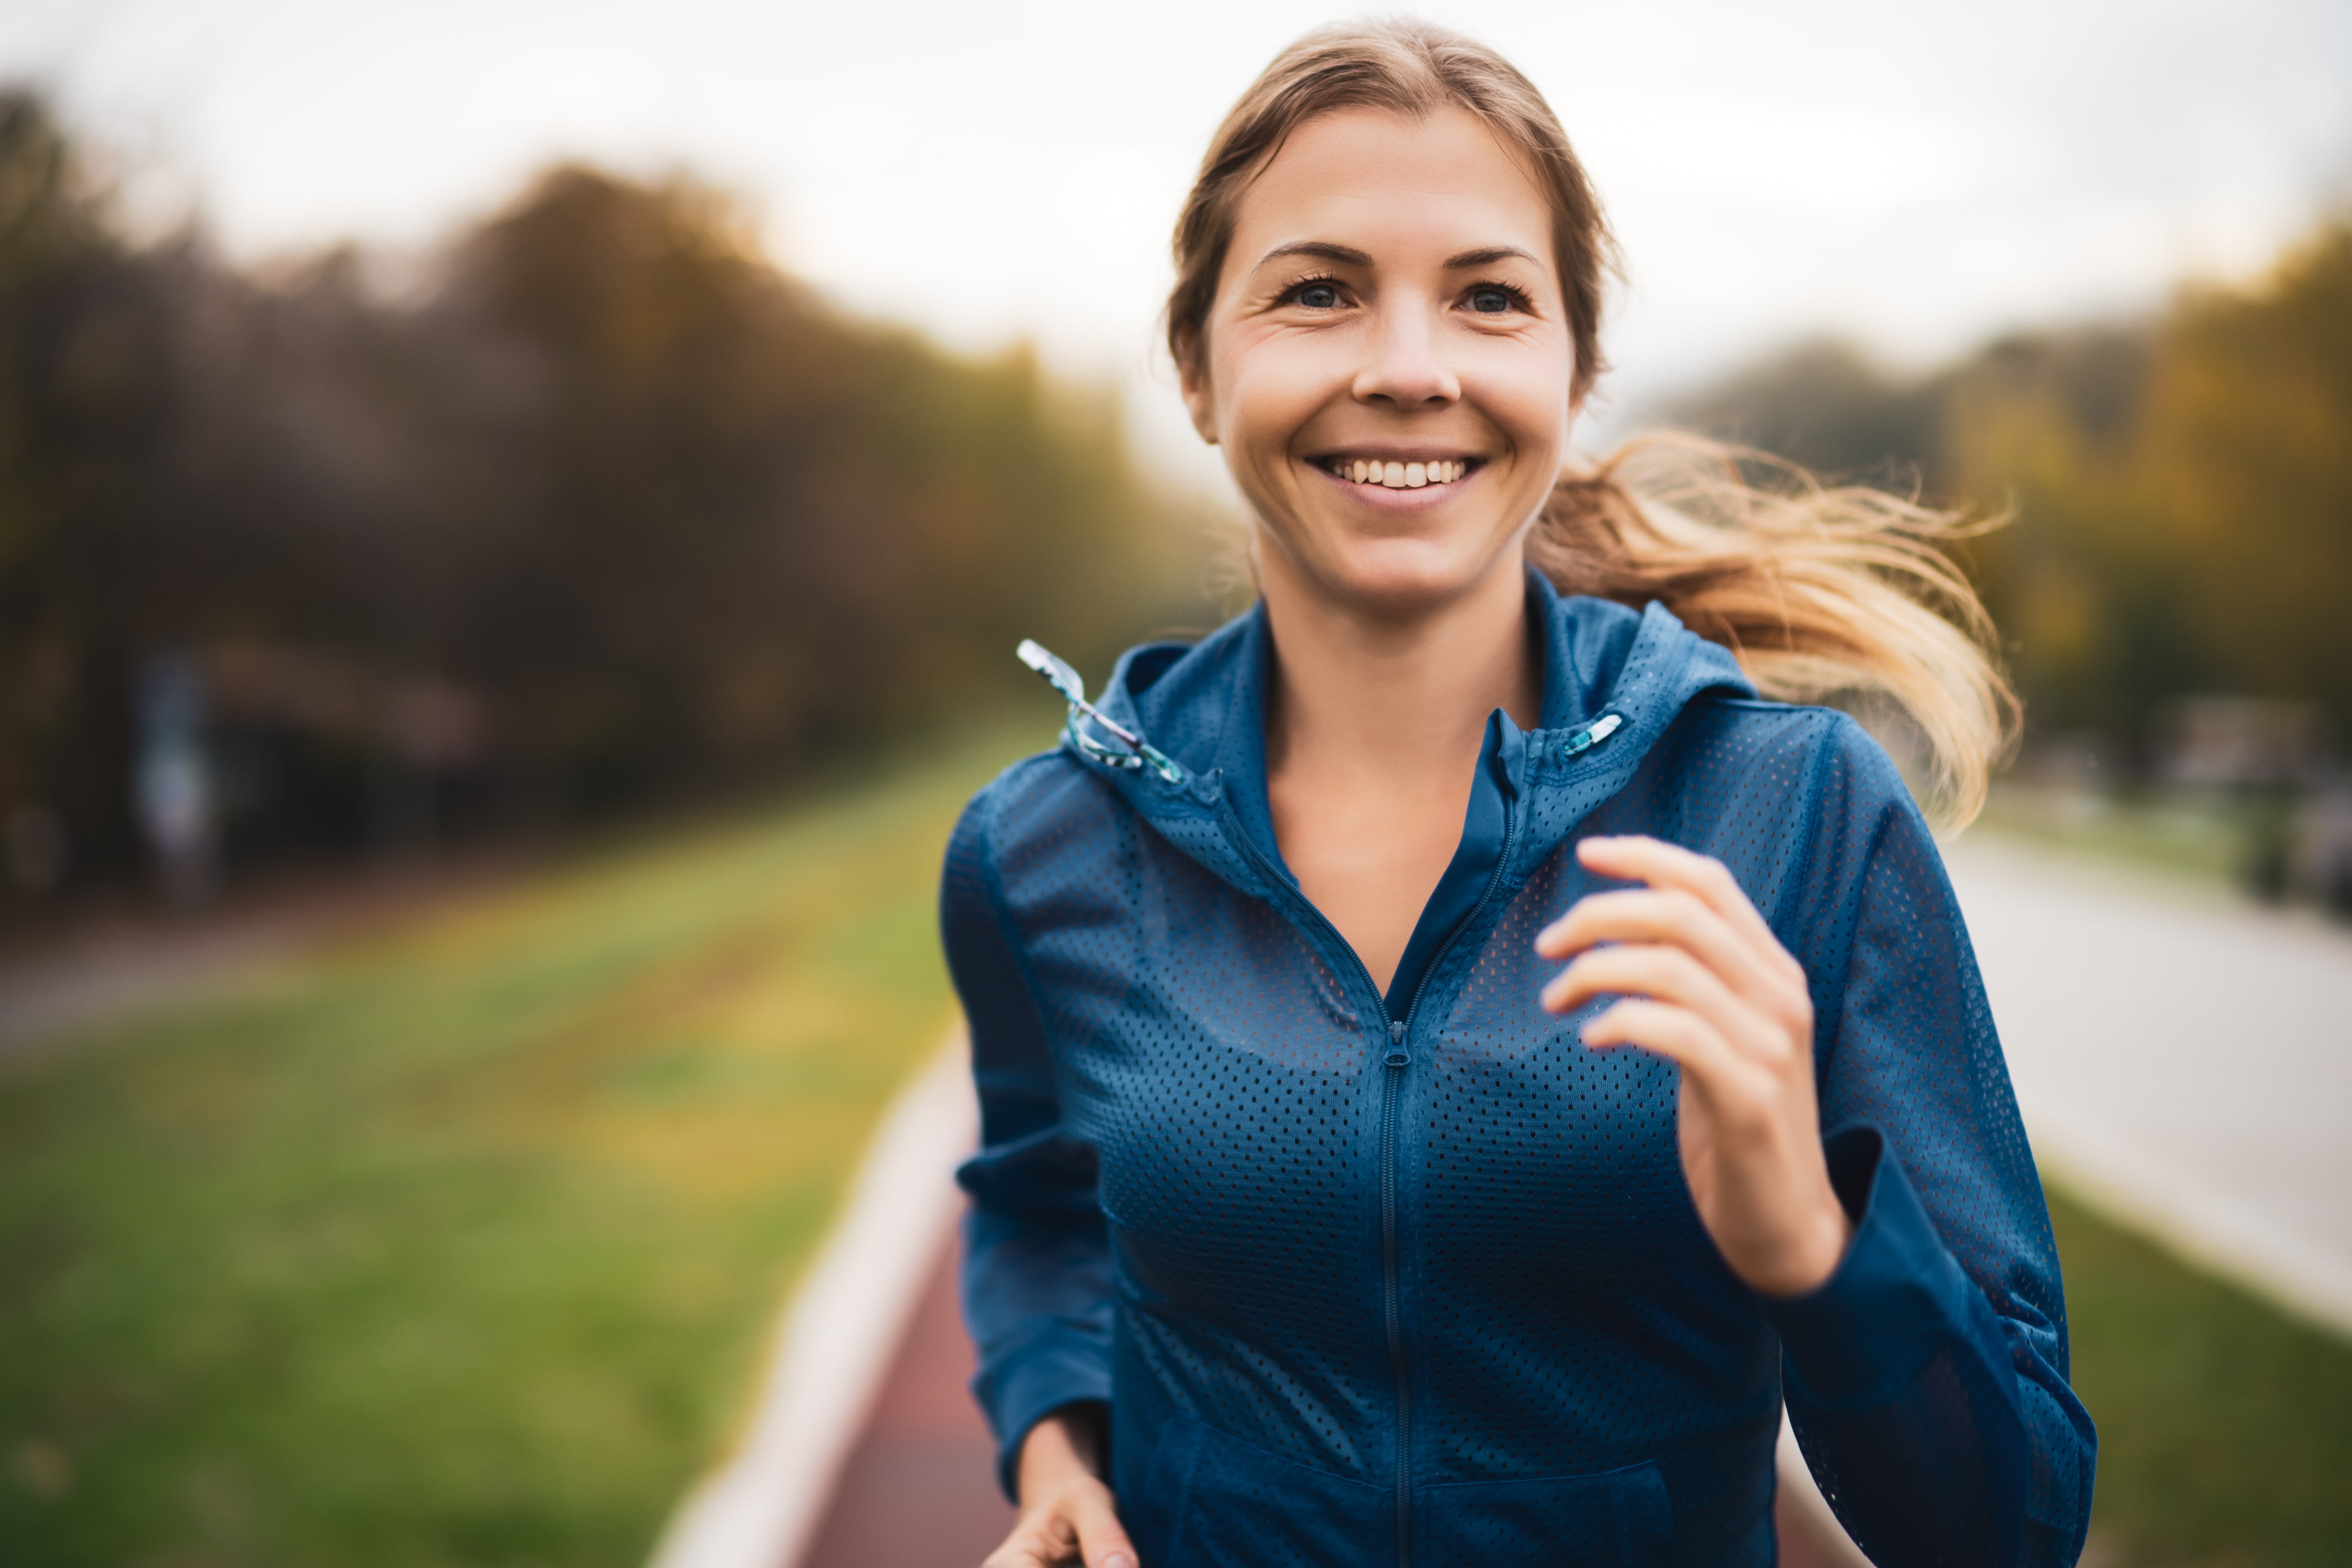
(1402, 701)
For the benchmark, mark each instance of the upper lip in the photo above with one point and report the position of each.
(1397, 454)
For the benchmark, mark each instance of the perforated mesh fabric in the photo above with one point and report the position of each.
(1443, 1298)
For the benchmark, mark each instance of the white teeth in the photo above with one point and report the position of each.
(1398, 476)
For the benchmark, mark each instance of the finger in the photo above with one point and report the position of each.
(1100, 1535)
(1636, 859)
(1662, 973)
(1024, 1549)
(1045, 1537)
(1651, 915)
(1676, 1033)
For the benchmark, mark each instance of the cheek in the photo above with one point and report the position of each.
(1526, 394)
(1272, 387)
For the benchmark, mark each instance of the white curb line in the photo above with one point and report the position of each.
(836, 1337)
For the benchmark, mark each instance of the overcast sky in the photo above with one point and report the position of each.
(1911, 175)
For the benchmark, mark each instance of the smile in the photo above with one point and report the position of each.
(1398, 476)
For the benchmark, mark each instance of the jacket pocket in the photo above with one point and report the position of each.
(1210, 1500)
(1621, 1518)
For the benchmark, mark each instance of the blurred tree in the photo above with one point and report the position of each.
(1826, 404)
(609, 512)
(2042, 428)
(2246, 447)
(84, 369)
(746, 528)
(2181, 488)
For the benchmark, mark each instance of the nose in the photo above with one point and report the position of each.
(1404, 368)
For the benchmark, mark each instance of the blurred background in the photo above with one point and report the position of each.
(513, 518)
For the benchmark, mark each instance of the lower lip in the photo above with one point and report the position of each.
(1399, 499)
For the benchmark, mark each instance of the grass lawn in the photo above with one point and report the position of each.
(2207, 844)
(459, 1246)
(2225, 1428)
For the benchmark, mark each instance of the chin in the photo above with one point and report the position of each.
(1401, 579)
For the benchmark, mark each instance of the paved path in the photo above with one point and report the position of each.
(138, 958)
(2182, 1058)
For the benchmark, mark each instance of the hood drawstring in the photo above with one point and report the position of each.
(1580, 741)
(1062, 678)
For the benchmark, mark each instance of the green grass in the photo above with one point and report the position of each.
(2225, 1427)
(2200, 842)
(458, 1244)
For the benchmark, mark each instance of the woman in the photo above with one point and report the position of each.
(1321, 1217)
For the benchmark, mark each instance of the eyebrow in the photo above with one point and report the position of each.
(1348, 256)
(1489, 256)
(1322, 250)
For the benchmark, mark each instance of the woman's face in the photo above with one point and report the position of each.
(1388, 362)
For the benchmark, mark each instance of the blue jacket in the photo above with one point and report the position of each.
(1415, 1278)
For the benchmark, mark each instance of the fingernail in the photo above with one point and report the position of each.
(1118, 1559)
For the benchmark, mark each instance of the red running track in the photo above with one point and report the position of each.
(919, 1490)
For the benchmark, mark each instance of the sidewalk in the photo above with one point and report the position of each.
(95, 968)
(2183, 1061)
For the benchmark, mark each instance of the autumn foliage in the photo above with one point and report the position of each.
(595, 509)
(2178, 489)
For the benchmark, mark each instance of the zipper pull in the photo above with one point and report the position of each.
(1397, 1057)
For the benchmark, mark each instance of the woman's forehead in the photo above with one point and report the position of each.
(1441, 181)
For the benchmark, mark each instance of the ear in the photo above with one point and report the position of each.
(1192, 381)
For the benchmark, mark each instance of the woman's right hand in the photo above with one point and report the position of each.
(1067, 1515)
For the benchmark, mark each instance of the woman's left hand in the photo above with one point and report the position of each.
(1707, 984)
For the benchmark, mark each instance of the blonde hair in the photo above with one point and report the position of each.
(1820, 590)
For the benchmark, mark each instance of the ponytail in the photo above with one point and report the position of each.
(1819, 591)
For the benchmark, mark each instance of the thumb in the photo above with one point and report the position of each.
(1102, 1540)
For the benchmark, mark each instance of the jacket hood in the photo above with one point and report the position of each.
(1203, 705)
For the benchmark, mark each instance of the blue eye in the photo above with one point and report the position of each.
(1319, 296)
(1489, 300)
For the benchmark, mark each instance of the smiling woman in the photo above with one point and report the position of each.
(1320, 1218)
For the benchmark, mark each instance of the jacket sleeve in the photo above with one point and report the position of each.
(1927, 1378)
(1036, 1263)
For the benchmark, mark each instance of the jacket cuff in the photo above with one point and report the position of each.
(1896, 1297)
(1064, 1367)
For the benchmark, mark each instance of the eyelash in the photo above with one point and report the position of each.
(1518, 296)
(1290, 295)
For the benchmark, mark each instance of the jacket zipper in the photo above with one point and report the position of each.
(1400, 1031)
(1392, 1302)
(1391, 1085)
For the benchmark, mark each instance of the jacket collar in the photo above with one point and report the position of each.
(1204, 705)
